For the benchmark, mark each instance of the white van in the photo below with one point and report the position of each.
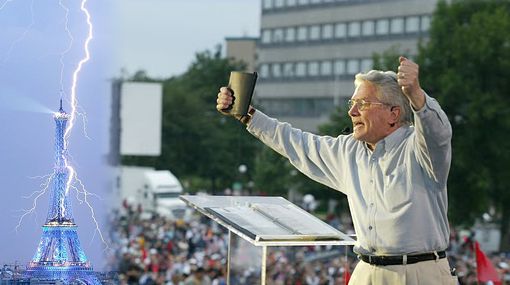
(154, 190)
(166, 189)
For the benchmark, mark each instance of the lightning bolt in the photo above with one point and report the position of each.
(74, 102)
(5, 3)
(23, 35)
(74, 106)
(82, 114)
(82, 190)
(71, 40)
(38, 193)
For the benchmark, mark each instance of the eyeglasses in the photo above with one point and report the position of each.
(361, 104)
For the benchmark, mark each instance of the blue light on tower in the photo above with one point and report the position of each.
(59, 255)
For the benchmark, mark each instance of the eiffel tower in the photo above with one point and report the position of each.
(59, 256)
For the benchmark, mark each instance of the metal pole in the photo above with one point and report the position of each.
(263, 267)
(228, 255)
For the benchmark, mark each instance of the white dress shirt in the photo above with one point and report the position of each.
(396, 193)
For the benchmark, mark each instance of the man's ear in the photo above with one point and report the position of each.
(394, 115)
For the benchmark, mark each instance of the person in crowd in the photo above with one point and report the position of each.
(198, 277)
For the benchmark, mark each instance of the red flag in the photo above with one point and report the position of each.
(484, 268)
(347, 273)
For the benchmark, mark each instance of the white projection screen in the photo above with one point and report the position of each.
(140, 118)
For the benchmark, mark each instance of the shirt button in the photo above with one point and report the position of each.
(370, 227)
(371, 181)
(371, 204)
(372, 249)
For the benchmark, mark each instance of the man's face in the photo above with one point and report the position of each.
(371, 122)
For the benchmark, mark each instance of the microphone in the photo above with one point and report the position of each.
(346, 131)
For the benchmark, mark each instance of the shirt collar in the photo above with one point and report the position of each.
(396, 137)
(390, 141)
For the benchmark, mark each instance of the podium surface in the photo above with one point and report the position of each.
(263, 222)
(267, 220)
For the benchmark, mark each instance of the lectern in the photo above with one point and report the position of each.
(256, 223)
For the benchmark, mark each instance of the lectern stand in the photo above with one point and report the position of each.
(256, 223)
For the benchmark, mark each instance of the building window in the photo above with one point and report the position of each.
(397, 26)
(267, 4)
(315, 32)
(354, 29)
(425, 23)
(316, 1)
(278, 3)
(313, 68)
(326, 68)
(264, 70)
(302, 34)
(300, 69)
(368, 28)
(288, 69)
(277, 35)
(382, 27)
(298, 107)
(413, 24)
(290, 34)
(276, 70)
(340, 30)
(366, 64)
(276, 107)
(291, 3)
(339, 68)
(352, 66)
(266, 36)
(327, 31)
(302, 2)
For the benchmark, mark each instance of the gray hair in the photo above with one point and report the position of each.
(388, 91)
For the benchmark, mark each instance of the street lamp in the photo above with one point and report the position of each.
(242, 169)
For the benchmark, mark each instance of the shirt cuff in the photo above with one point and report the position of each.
(425, 107)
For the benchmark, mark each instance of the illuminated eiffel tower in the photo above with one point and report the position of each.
(59, 256)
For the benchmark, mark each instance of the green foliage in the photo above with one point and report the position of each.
(272, 173)
(339, 123)
(388, 59)
(466, 65)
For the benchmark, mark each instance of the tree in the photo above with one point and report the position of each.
(388, 59)
(199, 145)
(339, 123)
(466, 65)
(272, 173)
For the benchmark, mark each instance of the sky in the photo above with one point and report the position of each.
(37, 59)
(162, 36)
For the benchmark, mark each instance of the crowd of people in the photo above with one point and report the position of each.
(193, 251)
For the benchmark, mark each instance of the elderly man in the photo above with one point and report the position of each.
(393, 172)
